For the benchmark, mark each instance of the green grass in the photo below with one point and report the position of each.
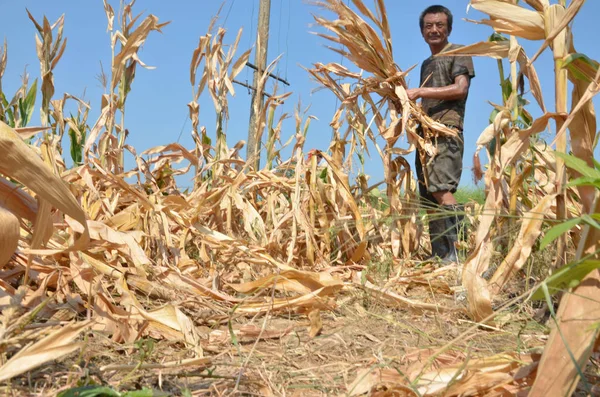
(470, 193)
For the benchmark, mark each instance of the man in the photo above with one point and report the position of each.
(443, 92)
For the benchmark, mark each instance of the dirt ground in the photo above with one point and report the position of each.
(274, 354)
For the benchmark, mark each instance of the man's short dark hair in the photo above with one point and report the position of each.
(437, 9)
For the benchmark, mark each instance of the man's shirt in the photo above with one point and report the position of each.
(440, 71)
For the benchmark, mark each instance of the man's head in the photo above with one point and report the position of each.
(436, 25)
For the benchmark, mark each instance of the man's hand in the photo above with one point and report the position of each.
(414, 93)
(452, 92)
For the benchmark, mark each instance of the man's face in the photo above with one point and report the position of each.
(435, 29)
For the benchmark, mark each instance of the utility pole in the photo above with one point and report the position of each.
(253, 148)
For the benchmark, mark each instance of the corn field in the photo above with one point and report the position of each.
(97, 260)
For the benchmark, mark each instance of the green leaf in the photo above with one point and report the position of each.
(580, 57)
(558, 231)
(506, 89)
(4, 101)
(579, 165)
(361, 158)
(10, 118)
(29, 104)
(492, 146)
(22, 112)
(76, 147)
(323, 175)
(583, 67)
(585, 181)
(526, 117)
(90, 391)
(306, 126)
(493, 115)
(568, 276)
(497, 37)
(590, 221)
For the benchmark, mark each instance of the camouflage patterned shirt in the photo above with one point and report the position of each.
(440, 71)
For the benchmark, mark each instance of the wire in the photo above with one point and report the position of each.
(185, 120)
(250, 39)
(227, 16)
(287, 41)
(279, 32)
(342, 64)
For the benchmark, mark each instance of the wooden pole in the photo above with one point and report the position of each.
(262, 42)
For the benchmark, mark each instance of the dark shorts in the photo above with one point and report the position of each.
(442, 173)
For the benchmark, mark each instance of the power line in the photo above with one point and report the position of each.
(342, 64)
(183, 126)
(251, 36)
(287, 41)
(227, 16)
(279, 32)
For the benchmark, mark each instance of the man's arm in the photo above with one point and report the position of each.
(452, 92)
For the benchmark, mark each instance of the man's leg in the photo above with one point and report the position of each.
(436, 224)
(444, 173)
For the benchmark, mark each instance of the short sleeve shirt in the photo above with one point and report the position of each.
(440, 71)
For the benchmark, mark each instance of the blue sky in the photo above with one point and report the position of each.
(156, 107)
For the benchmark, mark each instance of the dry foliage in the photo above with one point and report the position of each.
(82, 251)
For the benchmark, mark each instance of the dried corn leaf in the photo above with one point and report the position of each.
(316, 324)
(367, 381)
(131, 46)
(572, 341)
(110, 15)
(314, 300)
(166, 319)
(22, 164)
(538, 5)
(17, 201)
(478, 294)
(518, 142)
(492, 49)
(582, 127)
(558, 28)
(501, 50)
(246, 334)
(520, 252)
(128, 243)
(109, 319)
(52, 347)
(470, 378)
(29, 132)
(291, 281)
(512, 19)
(394, 300)
(9, 235)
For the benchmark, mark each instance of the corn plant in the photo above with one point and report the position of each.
(217, 76)
(137, 260)
(125, 44)
(49, 52)
(549, 22)
(78, 128)
(18, 112)
(367, 119)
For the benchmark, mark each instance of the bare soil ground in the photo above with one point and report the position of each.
(276, 355)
